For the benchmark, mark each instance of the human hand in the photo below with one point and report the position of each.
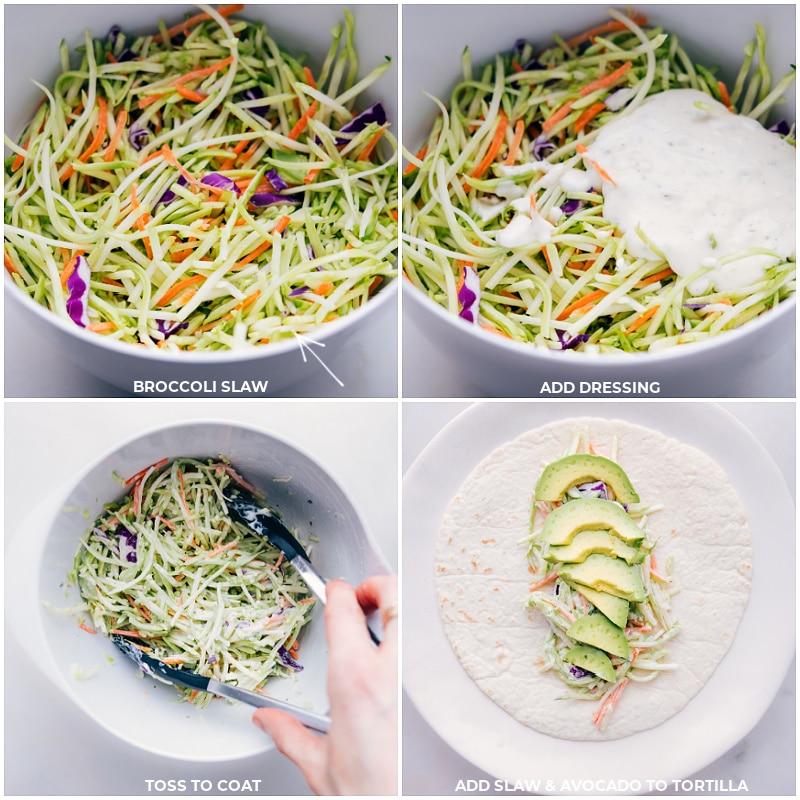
(359, 754)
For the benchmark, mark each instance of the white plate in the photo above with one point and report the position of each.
(722, 713)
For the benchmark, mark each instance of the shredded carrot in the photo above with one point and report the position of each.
(608, 27)
(372, 143)
(141, 473)
(172, 660)
(69, 267)
(141, 221)
(588, 115)
(309, 77)
(723, 93)
(119, 127)
(184, 26)
(376, 282)
(494, 330)
(606, 80)
(17, 163)
(178, 287)
(393, 212)
(193, 694)
(300, 126)
(84, 627)
(235, 153)
(494, 147)
(202, 72)
(519, 129)
(516, 65)
(608, 705)
(102, 124)
(111, 58)
(220, 549)
(150, 99)
(557, 116)
(544, 581)
(132, 634)
(583, 301)
(311, 175)
(411, 166)
(9, 264)
(189, 94)
(100, 327)
(665, 273)
(251, 256)
(324, 288)
(248, 301)
(641, 319)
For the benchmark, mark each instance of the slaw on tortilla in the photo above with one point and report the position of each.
(484, 583)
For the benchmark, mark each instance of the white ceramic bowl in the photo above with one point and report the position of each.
(298, 29)
(144, 712)
(434, 37)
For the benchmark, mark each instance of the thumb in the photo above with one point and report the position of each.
(294, 740)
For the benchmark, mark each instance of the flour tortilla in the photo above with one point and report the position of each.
(482, 576)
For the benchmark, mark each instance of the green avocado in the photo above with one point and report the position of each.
(606, 574)
(592, 660)
(590, 513)
(585, 543)
(598, 631)
(569, 471)
(615, 608)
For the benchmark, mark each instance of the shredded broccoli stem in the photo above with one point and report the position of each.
(200, 588)
(525, 290)
(651, 624)
(227, 101)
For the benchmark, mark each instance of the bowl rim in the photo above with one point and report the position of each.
(209, 422)
(322, 333)
(513, 348)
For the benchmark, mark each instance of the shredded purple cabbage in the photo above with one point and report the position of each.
(220, 182)
(78, 288)
(577, 672)
(541, 144)
(594, 489)
(138, 136)
(570, 344)
(169, 195)
(111, 37)
(375, 113)
(278, 183)
(469, 295)
(286, 659)
(163, 327)
(255, 93)
(695, 306)
(298, 291)
(571, 206)
(127, 544)
(781, 127)
(264, 199)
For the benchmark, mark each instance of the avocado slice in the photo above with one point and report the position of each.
(615, 608)
(560, 475)
(592, 660)
(590, 513)
(606, 574)
(585, 543)
(597, 630)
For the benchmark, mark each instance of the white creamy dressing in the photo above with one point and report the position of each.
(701, 183)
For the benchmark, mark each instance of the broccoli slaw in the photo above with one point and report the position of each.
(198, 188)
(650, 624)
(168, 567)
(503, 213)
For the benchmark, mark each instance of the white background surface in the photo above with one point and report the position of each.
(51, 748)
(765, 758)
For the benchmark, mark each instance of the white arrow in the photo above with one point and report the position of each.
(302, 340)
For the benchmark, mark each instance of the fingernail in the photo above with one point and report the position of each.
(257, 721)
